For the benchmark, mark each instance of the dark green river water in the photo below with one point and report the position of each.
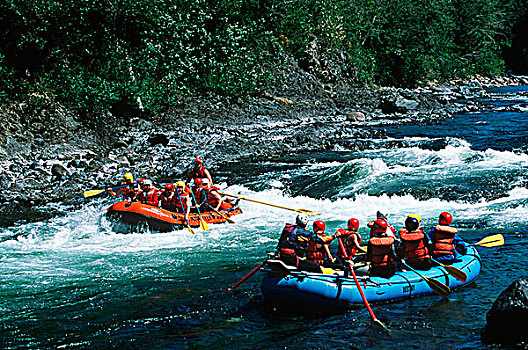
(72, 282)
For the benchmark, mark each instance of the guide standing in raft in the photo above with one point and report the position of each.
(199, 172)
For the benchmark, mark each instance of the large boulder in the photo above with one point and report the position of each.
(508, 317)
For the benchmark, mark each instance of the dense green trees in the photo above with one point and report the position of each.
(96, 54)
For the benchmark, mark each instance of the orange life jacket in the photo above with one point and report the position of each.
(211, 200)
(315, 254)
(381, 251)
(197, 172)
(168, 201)
(197, 192)
(186, 193)
(350, 247)
(443, 240)
(128, 192)
(413, 242)
(150, 197)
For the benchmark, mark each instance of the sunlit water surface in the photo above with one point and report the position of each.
(73, 282)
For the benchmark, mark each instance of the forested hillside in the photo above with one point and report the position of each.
(93, 55)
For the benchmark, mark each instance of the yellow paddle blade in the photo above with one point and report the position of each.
(190, 229)
(203, 225)
(306, 211)
(381, 324)
(437, 286)
(440, 288)
(456, 273)
(491, 241)
(90, 193)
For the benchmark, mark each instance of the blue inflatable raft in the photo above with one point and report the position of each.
(286, 285)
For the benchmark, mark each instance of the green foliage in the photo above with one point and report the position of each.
(94, 55)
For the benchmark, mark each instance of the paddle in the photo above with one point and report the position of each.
(358, 285)
(89, 193)
(203, 224)
(440, 288)
(246, 276)
(491, 241)
(453, 271)
(305, 211)
(183, 209)
(231, 221)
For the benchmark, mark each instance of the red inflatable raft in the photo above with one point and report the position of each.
(162, 220)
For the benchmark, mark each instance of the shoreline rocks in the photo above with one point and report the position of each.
(300, 117)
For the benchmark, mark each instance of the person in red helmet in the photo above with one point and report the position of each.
(318, 250)
(391, 231)
(446, 245)
(381, 251)
(199, 171)
(167, 197)
(351, 240)
(211, 198)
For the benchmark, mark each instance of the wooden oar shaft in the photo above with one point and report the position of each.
(306, 211)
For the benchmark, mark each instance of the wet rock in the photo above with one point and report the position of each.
(507, 319)
(60, 172)
(356, 117)
(120, 144)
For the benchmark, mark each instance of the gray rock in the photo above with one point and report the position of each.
(59, 171)
(356, 117)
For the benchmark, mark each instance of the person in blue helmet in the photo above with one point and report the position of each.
(413, 248)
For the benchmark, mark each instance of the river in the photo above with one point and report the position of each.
(72, 282)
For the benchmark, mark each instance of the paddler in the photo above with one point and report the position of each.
(318, 250)
(199, 171)
(351, 240)
(293, 242)
(168, 197)
(446, 245)
(211, 197)
(128, 191)
(183, 199)
(413, 247)
(381, 251)
(148, 194)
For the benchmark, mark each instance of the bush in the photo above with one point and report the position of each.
(95, 55)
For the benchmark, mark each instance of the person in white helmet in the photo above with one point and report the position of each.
(293, 243)
(148, 194)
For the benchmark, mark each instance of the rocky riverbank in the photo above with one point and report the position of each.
(48, 157)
